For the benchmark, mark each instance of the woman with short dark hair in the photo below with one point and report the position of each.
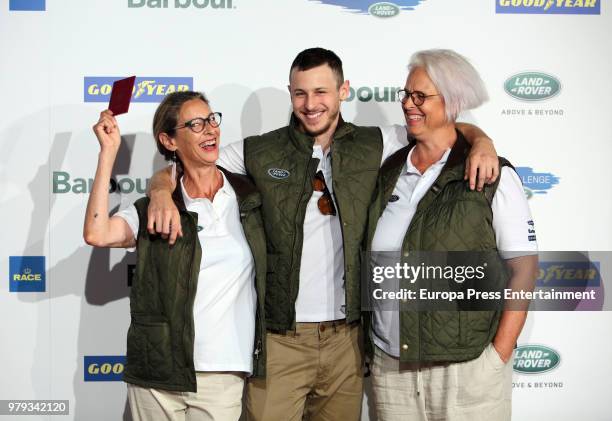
(193, 304)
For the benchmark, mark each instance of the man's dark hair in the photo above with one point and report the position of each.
(315, 57)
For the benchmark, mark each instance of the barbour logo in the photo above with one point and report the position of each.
(278, 173)
(384, 10)
(535, 359)
(532, 86)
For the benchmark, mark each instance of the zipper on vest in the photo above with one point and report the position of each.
(346, 307)
(308, 177)
(337, 203)
(257, 349)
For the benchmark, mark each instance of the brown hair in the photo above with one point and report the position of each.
(166, 116)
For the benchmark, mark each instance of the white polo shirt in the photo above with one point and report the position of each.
(512, 224)
(225, 301)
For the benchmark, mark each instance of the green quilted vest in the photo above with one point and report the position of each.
(449, 217)
(281, 164)
(160, 339)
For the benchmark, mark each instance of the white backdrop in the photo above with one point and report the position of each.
(239, 52)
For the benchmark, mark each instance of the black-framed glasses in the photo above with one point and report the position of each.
(197, 124)
(418, 97)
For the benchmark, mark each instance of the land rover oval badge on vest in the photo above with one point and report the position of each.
(278, 173)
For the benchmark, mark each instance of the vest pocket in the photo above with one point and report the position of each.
(149, 350)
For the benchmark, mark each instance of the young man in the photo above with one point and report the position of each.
(316, 177)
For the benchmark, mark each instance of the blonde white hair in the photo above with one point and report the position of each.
(455, 78)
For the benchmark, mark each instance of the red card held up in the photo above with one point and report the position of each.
(121, 95)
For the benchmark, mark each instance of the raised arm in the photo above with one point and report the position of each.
(163, 215)
(99, 229)
(482, 165)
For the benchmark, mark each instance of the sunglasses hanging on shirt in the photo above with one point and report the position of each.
(325, 202)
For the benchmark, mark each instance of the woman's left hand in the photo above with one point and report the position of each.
(482, 164)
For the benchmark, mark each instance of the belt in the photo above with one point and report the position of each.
(322, 326)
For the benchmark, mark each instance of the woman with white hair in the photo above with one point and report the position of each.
(446, 365)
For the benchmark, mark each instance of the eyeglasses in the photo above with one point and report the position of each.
(197, 124)
(418, 97)
(325, 202)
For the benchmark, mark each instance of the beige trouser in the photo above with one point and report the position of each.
(219, 398)
(476, 390)
(314, 373)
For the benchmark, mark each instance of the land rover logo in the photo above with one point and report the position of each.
(384, 10)
(278, 173)
(532, 86)
(535, 359)
(393, 198)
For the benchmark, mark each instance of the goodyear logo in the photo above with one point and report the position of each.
(27, 5)
(103, 368)
(552, 7)
(146, 89)
(568, 274)
(62, 183)
(536, 183)
(378, 9)
(27, 274)
(532, 86)
(535, 359)
(373, 93)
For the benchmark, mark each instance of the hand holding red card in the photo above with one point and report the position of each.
(121, 95)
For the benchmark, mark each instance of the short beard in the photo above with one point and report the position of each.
(322, 130)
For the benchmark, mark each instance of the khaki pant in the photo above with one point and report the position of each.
(476, 390)
(219, 398)
(314, 373)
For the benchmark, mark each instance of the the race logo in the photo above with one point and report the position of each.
(27, 274)
(27, 5)
(536, 183)
(103, 368)
(552, 7)
(146, 89)
(532, 86)
(535, 359)
(380, 9)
